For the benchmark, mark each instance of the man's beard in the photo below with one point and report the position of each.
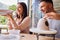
(43, 13)
(48, 11)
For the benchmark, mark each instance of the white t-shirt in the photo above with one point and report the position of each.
(55, 24)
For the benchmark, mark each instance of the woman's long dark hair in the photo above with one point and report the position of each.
(24, 14)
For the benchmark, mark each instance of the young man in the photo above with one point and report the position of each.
(46, 6)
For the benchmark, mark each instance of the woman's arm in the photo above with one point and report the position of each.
(24, 24)
(9, 25)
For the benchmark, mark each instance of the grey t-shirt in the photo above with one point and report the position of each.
(55, 24)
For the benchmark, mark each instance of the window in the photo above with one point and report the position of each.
(6, 4)
(35, 13)
(57, 5)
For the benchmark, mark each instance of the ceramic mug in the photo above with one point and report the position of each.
(15, 32)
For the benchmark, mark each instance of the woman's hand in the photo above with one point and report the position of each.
(9, 14)
(52, 16)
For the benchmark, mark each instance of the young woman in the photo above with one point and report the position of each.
(22, 20)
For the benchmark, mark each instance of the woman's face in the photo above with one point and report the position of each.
(19, 9)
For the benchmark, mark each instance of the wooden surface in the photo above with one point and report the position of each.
(33, 37)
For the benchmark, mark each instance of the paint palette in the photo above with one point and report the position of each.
(4, 12)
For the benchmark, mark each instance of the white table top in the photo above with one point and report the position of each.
(36, 30)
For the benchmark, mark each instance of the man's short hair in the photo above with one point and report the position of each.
(48, 1)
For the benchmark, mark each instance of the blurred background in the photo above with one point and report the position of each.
(33, 9)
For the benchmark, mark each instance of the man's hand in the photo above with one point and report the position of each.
(52, 16)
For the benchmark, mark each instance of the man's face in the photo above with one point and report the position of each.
(44, 7)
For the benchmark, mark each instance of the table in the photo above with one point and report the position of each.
(38, 32)
(33, 37)
(3, 27)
